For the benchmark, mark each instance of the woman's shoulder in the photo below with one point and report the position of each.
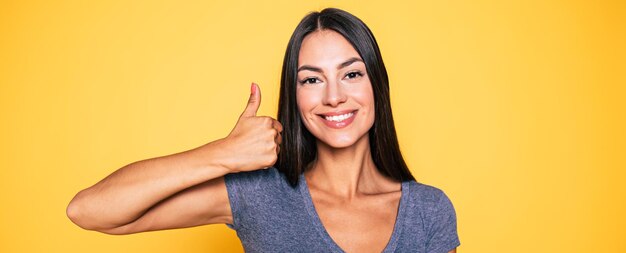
(431, 213)
(427, 196)
(263, 179)
(255, 175)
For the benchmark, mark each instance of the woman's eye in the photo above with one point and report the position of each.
(354, 74)
(308, 80)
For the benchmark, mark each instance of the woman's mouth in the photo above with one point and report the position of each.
(338, 119)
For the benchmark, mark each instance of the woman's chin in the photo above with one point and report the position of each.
(339, 142)
(338, 145)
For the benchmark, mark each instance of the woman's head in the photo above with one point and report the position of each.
(333, 91)
(337, 49)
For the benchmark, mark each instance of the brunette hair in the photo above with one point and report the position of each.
(298, 148)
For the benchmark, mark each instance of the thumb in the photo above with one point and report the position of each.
(253, 102)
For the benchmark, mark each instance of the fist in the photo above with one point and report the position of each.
(255, 140)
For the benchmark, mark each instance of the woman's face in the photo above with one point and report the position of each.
(334, 93)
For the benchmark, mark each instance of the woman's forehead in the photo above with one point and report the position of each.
(325, 48)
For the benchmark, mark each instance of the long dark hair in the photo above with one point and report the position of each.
(298, 148)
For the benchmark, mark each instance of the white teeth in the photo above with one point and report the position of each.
(339, 118)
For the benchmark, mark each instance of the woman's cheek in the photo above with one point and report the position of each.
(305, 106)
(307, 99)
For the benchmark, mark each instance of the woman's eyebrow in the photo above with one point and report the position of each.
(309, 67)
(340, 66)
(348, 62)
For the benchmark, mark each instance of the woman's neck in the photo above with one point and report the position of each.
(348, 172)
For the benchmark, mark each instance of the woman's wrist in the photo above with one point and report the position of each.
(215, 156)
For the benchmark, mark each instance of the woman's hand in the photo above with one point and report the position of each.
(254, 142)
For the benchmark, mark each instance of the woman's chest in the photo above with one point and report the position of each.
(360, 226)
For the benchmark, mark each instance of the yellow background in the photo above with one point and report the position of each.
(514, 108)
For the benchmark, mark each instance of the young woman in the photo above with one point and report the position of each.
(327, 176)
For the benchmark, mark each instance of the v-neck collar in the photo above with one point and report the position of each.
(317, 222)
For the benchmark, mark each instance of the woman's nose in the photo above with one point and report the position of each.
(334, 94)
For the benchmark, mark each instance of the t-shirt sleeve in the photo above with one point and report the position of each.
(442, 232)
(232, 188)
(236, 184)
(246, 191)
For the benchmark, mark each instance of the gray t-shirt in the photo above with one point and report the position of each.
(271, 216)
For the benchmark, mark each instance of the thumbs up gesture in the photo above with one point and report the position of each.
(255, 140)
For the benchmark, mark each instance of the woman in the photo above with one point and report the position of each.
(328, 176)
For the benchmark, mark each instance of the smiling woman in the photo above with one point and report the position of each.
(327, 176)
(334, 90)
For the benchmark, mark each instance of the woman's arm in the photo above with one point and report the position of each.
(130, 192)
(180, 190)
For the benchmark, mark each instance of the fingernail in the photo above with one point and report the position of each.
(252, 88)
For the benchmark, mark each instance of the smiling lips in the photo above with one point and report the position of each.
(338, 119)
